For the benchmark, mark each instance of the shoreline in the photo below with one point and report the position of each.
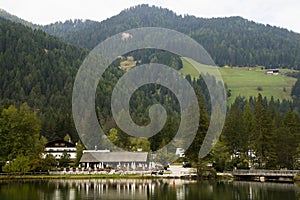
(75, 176)
(219, 177)
(111, 176)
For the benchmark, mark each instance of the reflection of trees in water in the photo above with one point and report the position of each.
(171, 189)
(117, 189)
(144, 189)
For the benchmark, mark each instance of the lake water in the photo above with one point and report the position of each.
(145, 189)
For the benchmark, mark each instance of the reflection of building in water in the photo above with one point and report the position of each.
(104, 159)
(119, 189)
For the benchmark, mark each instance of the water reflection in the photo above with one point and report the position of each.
(109, 188)
(144, 189)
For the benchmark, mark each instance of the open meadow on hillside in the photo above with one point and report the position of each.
(246, 81)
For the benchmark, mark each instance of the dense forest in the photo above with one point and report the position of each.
(262, 133)
(230, 41)
(39, 70)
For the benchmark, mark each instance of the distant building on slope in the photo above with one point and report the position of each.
(272, 71)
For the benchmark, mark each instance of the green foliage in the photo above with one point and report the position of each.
(20, 164)
(221, 157)
(20, 139)
(64, 159)
(230, 41)
(204, 170)
(164, 157)
(19, 132)
(233, 133)
(192, 152)
(259, 88)
(13, 18)
(263, 135)
(142, 143)
(39, 69)
(260, 133)
(67, 138)
(296, 156)
(287, 142)
(140, 102)
(48, 163)
(79, 152)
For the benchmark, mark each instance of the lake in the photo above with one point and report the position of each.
(145, 189)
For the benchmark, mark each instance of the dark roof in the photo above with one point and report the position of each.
(60, 143)
(114, 157)
(276, 70)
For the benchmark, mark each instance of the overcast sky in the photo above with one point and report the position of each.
(282, 13)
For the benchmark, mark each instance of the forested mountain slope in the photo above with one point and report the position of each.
(230, 41)
(39, 69)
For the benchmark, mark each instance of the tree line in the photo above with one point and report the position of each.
(259, 133)
(230, 41)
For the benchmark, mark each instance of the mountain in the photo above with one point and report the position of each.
(231, 41)
(39, 69)
(68, 28)
(6, 15)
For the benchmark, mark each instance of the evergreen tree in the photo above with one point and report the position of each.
(79, 152)
(287, 139)
(264, 145)
(233, 132)
(248, 123)
(192, 153)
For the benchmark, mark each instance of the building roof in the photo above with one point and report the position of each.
(114, 157)
(272, 70)
(59, 143)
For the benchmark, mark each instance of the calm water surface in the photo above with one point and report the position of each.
(145, 189)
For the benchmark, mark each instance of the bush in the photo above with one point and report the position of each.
(21, 164)
(259, 88)
(297, 178)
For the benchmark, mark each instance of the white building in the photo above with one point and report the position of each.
(179, 152)
(272, 71)
(105, 158)
(57, 148)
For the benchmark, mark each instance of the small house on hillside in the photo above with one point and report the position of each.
(99, 159)
(272, 71)
(57, 148)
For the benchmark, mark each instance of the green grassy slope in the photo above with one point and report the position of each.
(245, 82)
